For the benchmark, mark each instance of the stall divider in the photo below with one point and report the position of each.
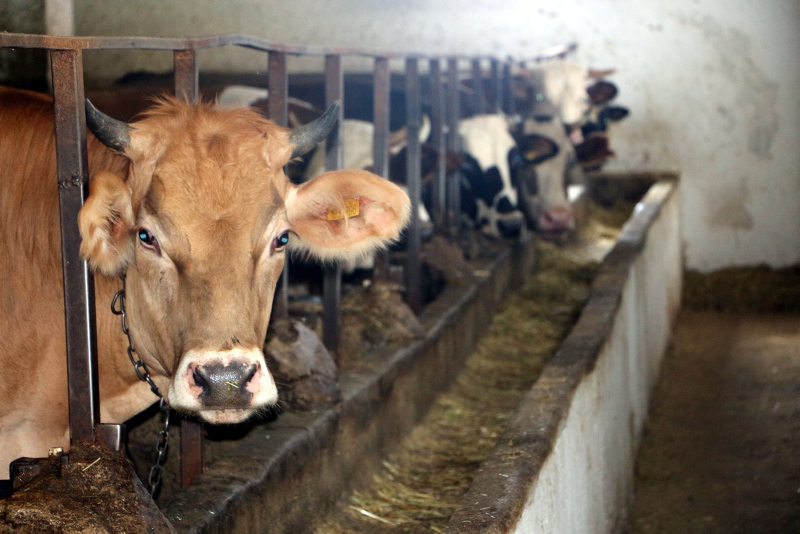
(381, 92)
(278, 110)
(438, 129)
(332, 277)
(73, 180)
(413, 116)
(192, 447)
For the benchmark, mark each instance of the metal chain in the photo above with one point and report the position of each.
(143, 373)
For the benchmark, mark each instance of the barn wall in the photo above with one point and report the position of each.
(713, 85)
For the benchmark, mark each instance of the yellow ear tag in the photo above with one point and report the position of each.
(531, 155)
(351, 205)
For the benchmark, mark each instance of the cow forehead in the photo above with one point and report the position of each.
(202, 142)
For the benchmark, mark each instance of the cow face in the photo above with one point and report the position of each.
(543, 192)
(200, 226)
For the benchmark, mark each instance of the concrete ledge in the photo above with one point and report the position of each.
(301, 464)
(565, 463)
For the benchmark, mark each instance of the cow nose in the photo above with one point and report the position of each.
(224, 385)
(555, 221)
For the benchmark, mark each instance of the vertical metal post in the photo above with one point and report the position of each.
(477, 84)
(192, 439)
(380, 143)
(497, 88)
(437, 139)
(332, 281)
(413, 264)
(278, 108)
(508, 76)
(73, 178)
(186, 75)
(453, 142)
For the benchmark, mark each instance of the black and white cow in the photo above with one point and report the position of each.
(492, 161)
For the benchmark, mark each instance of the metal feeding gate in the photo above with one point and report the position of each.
(444, 91)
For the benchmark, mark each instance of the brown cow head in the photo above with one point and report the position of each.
(200, 226)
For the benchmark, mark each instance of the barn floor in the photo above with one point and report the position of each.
(721, 452)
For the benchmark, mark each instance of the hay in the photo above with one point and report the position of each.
(421, 485)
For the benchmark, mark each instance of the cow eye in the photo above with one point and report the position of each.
(148, 240)
(281, 241)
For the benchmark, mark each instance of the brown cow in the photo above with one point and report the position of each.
(194, 208)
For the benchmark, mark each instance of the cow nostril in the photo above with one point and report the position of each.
(248, 374)
(200, 380)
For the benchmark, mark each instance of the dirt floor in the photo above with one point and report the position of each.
(721, 452)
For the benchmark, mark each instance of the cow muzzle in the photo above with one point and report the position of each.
(223, 386)
(555, 223)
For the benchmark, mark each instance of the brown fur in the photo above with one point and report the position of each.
(209, 184)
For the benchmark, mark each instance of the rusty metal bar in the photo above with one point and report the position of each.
(186, 77)
(453, 142)
(382, 94)
(413, 122)
(438, 129)
(382, 85)
(73, 179)
(192, 442)
(192, 451)
(278, 109)
(508, 73)
(497, 88)
(332, 279)
(477, 83)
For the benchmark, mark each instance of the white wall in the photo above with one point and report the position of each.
(713, 85)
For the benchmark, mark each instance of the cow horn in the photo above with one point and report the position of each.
(305, 137)
(111, 132)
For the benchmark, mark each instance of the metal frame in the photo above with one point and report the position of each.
(67, 69)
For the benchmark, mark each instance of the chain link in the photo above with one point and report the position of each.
(143, 373)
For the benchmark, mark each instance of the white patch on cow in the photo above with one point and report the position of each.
(486, 138)
(240, 96)
(182, 397)
(357, 138)
(564, 85)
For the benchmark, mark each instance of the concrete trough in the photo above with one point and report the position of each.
(565, 463)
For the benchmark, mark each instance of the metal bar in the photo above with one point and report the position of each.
(332, 279)
(497, 88)
(508, 70)
(192, 451)
(73, 179)
(413, 120)
(278, 108)
(186, 76)
(380, 145)
(477, 83)
(438, 129)
(453, 142)
(192, 442)
(54, 42)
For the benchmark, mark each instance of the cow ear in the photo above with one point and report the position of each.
(536, 148)
(345, 214)
(105, 222)
(613, 114)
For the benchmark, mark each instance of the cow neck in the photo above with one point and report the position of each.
(139, 366)
(143, 373)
